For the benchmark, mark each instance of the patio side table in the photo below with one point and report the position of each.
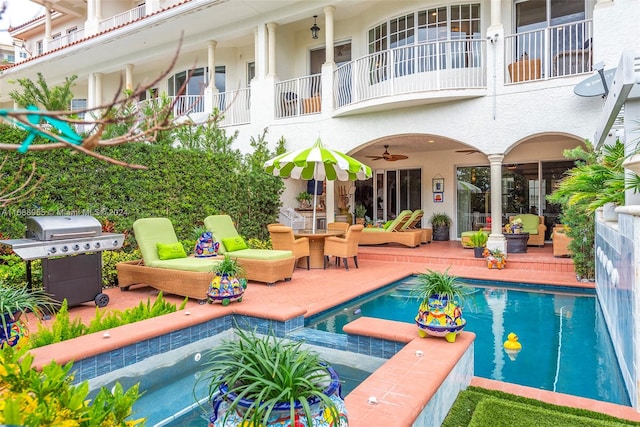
(516, 242)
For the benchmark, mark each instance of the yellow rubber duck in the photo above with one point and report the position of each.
(511, 346)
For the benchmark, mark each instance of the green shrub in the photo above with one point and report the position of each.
(109, 261)
(13, 271)
(63, 328)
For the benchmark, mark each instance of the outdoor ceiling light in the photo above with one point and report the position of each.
(315, 29)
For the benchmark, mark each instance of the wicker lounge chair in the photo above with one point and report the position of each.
(262, 265)
(189, 277)
(392, 234)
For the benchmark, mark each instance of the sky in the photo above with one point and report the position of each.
(18, 12)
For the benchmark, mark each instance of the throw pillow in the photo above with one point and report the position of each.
(233, 244)
(171, 251)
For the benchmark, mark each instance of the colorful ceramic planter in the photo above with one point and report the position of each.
(225, 289)
(281, 412)
(440, 317)
(16, 334)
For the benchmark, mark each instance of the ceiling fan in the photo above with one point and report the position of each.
(388, 157)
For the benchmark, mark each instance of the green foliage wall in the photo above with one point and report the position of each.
(184, 185)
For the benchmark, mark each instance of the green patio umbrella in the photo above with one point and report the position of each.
(318, 163)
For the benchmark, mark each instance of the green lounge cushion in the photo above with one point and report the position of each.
(170, 250)
(151, 231)
(233, 244)
(261, 254)
(201, 265)
(387, 224)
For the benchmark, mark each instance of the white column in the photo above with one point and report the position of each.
(128, 77)
(47, 28)
(330, 201)
(329, 42)
(91, 24)
(211, 62)
(260, 52)
(151, 6)
(496, 16)
(631, 114)
(98, 88)
(496, 239)
(271, 32)
(98, 10)
(91, 91)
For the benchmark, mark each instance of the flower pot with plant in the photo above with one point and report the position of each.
(229, 282)
(205, 246)
(267, 381)
(360, 212)
(16, 302)
(440, 223)
(495, 258)
(478, 241)
(304, 198)
(441, 297)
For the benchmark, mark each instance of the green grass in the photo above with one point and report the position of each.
(478, 407)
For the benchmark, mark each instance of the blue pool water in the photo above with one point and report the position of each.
(565, 343)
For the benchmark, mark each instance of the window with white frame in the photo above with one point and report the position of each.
(78, 105)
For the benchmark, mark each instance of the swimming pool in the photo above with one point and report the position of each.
(565, 343)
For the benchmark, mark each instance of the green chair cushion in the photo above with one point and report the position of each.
(151, 231)
(233, 244)
(261, 254)
(170, 250)
(529, 223)
(201, 265)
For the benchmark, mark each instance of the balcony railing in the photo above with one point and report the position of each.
(234, 106)
(122, 18)
(65, 40)
(435, 66)
(562, 50)
(298, 97)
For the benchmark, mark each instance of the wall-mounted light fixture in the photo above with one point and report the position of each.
(315, 29)
(492, 39)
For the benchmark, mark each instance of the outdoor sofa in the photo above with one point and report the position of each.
(181, 275)
(262, 265)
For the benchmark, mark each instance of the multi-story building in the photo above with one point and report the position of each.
(478, 95)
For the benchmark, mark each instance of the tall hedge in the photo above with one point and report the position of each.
(184, 185)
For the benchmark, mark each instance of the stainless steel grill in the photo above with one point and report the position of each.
(75, 278)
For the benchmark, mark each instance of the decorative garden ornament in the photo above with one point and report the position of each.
(228, 284)
(206, 246)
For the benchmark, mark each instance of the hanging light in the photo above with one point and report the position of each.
(315, 29)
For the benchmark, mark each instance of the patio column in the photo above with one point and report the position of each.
(496, 16)
(271, 33)
(98, 88)
(496, 239)
(47, 29)
(211, 90)
(328, 35)
(128, 77)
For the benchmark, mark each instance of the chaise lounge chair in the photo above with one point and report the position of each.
(261, 265)
(392, 234)
(413, 223)
(178, 275)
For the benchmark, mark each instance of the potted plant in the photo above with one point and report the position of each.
(441, 296)
(495, 258)
(18, 301)
(440, 223)
(360, 212)
(304, 198)
(267, 381)
(478, 241)
(229, 282)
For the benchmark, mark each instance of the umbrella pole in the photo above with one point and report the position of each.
(315, 195)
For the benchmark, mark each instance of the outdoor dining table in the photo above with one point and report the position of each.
(316, 246)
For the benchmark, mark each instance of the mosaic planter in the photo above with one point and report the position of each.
(16, 334)
(225, 289)
(440, 317)
(321, 416)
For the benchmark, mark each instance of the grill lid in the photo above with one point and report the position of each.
(47, 228)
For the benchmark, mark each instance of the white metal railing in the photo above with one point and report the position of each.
(187, 104)
(234, 106)
(561, 50)
(122, 18)
(298, 97)
(456, 64)
(65, 40)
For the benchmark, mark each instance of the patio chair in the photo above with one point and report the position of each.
(261, 265)
(282, 239)
(413, 224)
(534, 225)
(167, 270)
(392, 233)
(338, 226)
(343, 247)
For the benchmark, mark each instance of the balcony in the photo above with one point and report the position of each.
(298, 97)
(122, 18)
(65, 40)
(559, 51)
